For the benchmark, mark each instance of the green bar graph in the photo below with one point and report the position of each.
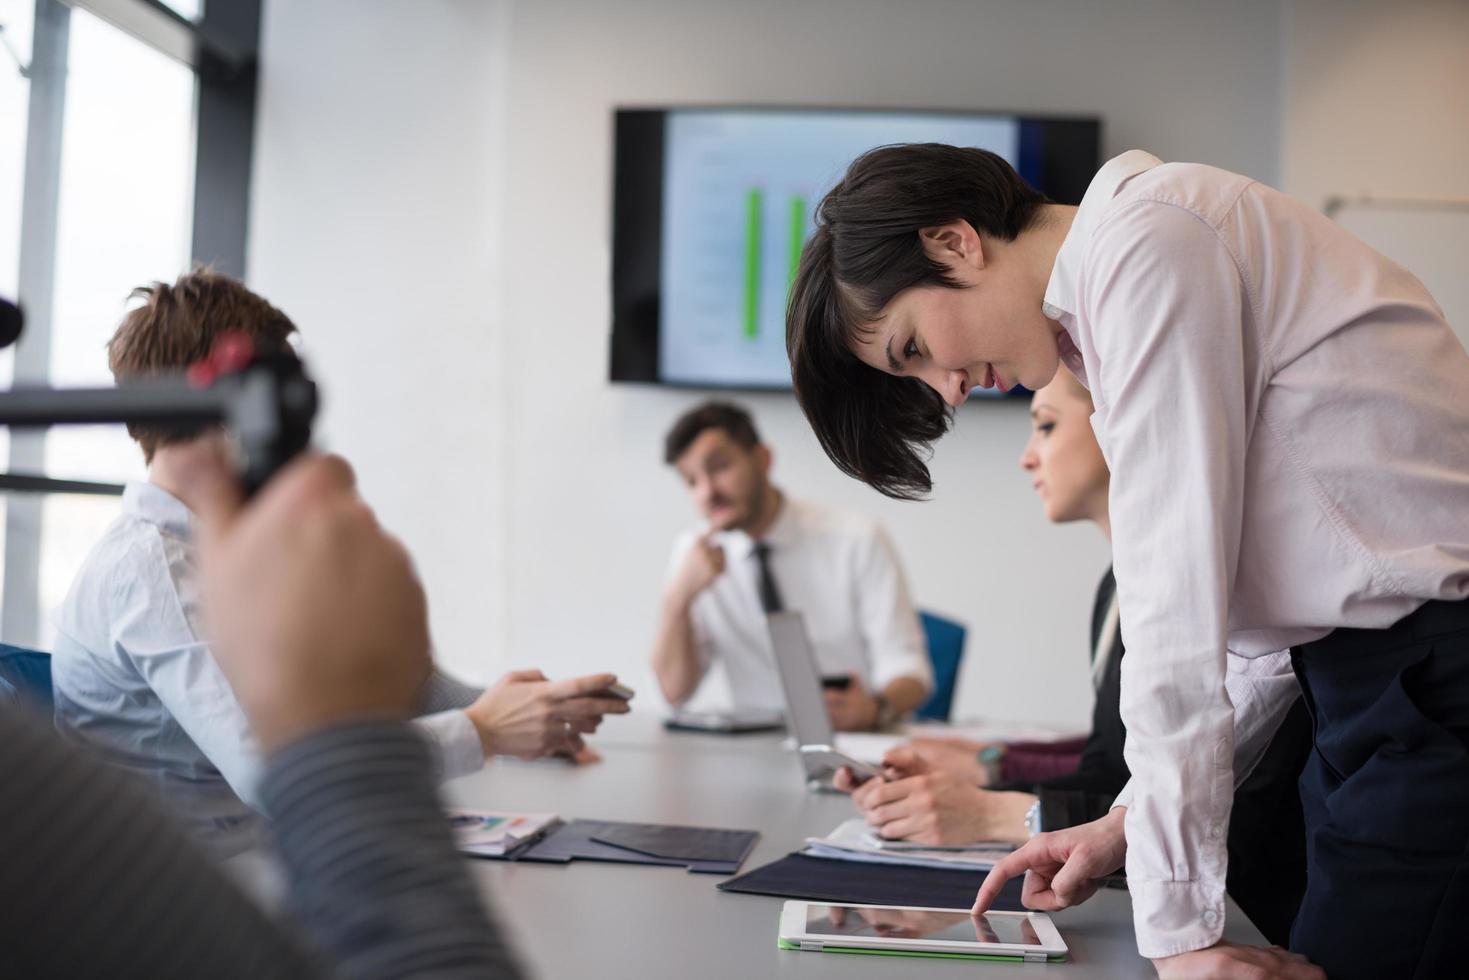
(798, 238)
(754, 205)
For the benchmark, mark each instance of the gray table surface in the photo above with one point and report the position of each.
(613, 921)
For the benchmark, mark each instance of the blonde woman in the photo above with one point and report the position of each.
(937, 792)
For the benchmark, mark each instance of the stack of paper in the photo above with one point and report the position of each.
(494, 833)
(854, 841)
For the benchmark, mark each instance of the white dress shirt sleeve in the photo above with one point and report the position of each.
(703, 646)
(165, 647)
(1173, 362)
(454, 742)
(189, 683)
(1262, 690)
(180, 669)
(452, 737)
(889, 623)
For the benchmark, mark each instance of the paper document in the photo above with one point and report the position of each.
(495, 833)
(854, 841)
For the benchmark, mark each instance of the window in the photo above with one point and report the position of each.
(125, 208)
(15, 51)
(117, 209)
(191, 9)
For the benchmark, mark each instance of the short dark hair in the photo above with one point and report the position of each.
(733, 420)
(865, 250)
(177, 325)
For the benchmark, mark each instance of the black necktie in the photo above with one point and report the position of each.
(769, 594)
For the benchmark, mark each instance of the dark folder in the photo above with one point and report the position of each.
(865, 883)
(706, 850)
(708, 845)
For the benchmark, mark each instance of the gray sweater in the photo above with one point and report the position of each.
(96, 881)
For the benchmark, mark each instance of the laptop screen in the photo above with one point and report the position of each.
(794, 659)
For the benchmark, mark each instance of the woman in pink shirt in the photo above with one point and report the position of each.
(1285, 415)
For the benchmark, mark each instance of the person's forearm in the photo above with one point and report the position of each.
(375, 877)
(675, 655)
(904, 694)
(1004, 817)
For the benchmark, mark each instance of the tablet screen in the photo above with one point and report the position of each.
(912, 924)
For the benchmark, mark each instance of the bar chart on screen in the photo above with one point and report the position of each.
(739, 198)
(795, 231)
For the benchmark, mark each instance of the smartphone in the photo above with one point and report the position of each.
(620, 691)
(822, 761)
(837, 682)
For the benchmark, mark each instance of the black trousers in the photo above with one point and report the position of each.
(1385, 796)
(1267, 832)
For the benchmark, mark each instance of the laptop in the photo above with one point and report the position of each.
(806, 714)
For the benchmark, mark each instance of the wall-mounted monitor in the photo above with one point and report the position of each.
(711, 207)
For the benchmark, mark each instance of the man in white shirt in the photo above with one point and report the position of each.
(760, 552)
(133, 673)
(1285, 414)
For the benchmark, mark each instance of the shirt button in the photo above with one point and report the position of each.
(1210, 917)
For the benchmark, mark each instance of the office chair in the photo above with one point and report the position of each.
(945, 649)
(25, 677)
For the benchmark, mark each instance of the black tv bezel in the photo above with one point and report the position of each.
(637, 220)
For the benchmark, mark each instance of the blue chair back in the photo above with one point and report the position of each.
(25, 675)
(945, 649)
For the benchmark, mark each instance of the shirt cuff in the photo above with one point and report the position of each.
(1175, 917)
(343, 757)
(455, 742)
(1124, 798)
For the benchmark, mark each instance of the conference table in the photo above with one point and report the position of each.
(599, 920)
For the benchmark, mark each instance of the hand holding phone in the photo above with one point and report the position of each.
(823, 761)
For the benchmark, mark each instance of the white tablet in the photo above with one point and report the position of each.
(908, 931)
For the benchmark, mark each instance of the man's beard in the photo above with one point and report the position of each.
(747, 513)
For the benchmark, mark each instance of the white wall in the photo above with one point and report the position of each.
(432, 204)
(1376, 103)
(374, 225)
(1376, 98)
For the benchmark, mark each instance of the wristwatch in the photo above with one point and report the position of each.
(1033, 819)
(989, 760)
